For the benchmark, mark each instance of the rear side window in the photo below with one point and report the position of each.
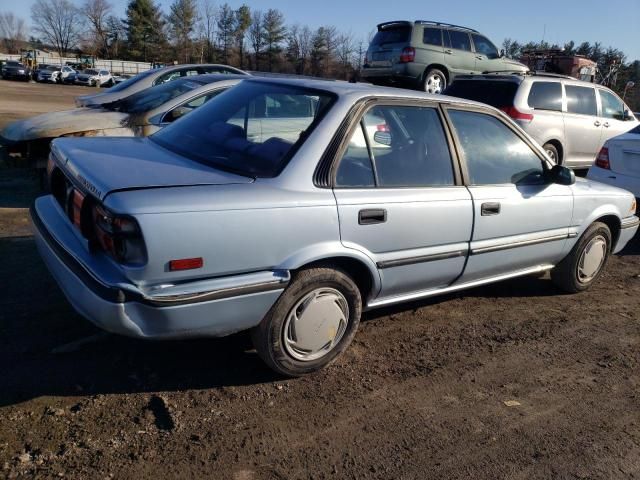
(581, 100)
(460, 40)
(432, 36)
(392, 35)
(405, 146)
(494, 154)
(546, 96)
(498, 94)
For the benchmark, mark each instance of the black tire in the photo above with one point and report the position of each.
(552, 152)
(434, 73)
(566, 276)
(268, 337)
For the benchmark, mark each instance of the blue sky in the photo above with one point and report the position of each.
(613, 22)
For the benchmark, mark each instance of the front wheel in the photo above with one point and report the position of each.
(312, 322)
(552, 152)
(584, 264)
(434, 81)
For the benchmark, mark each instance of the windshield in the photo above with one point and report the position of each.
(252, 129)
(636, 129)
(392, 35)
(498, 94)
(127, 83)
(153, 97)
(90, 72)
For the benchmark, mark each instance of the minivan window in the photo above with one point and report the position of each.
(494, 154)
(546, 96)
(498, 94)
(581, 100)
(399, 34)
(460, 40)
(432, 36)
(484, 46)
(612, 106)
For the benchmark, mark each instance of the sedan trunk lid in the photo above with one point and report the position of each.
(102, 166)
(624, 154)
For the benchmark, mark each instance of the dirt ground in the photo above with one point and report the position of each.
(424, 392)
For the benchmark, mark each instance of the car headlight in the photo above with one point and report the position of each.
(20, 71)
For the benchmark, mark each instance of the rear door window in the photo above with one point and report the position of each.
(460, 40)
(546, 96)
(432, 36)
(581, 100)
(400, 34)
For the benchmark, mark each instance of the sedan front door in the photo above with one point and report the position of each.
(399, 200)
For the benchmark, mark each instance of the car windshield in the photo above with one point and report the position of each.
(635, 130)
(127, 83)
(252, 129)
(14, 64)
(153, 97)
(90, 72)
(496, 93)
(392, 35)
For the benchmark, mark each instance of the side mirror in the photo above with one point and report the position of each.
(383, 138)
(561, 175)
(626, 115)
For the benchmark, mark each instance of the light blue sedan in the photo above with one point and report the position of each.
(288, 207)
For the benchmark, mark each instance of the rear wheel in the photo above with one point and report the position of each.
(585, 262)
(552, 152)
(312, 322)
(434, 81)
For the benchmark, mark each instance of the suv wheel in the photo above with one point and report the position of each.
(552, 152)
(312, 322)
(434, 81)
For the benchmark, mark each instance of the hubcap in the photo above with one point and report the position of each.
(592, 258)
(315, 325)
(434, 84)
(552, 154)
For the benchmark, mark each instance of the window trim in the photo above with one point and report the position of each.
(507, 122)
(340, 142)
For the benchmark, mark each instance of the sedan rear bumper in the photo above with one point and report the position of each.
(210, 308)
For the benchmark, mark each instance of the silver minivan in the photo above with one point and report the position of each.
(570, 118)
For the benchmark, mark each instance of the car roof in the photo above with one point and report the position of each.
(170, 68)
(359, 90)
(425, 22)
(213, 77)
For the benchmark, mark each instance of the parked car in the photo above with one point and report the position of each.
(140, 114)
(121, 78)
(94, 78)
(429, 55)
(48, 73)
(570, 118)
(15, 70)
(251, 214)
(66, 74)
(618, 162)
(150, 78)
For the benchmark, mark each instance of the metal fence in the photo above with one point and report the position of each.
(114, 66)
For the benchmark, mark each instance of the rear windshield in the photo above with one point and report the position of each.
(153, 97)
(252, 129)
(494, 93)
(392, 35)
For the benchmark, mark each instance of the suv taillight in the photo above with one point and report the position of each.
(516, 114)
(408, 55)
(118, 235)
(602, 160)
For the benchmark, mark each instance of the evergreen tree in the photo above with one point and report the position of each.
(144, 30)
(182, 21)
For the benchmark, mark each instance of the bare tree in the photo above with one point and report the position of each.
(12, 31)
(243, 22)
(58, 22)
(116, 34)
(226, 23)
(298, 47)
(208, 14)
(97, 12)
(344, 53)
(256, 37)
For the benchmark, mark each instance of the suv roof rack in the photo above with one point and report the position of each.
(441, 24)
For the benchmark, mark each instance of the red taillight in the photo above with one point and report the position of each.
(408, 55)
(119, 236)
(76, 208)
(516, 114)
(602, 160)
(383, 127)
(186, 264)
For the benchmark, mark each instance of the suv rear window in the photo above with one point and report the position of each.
(392, 35)
(495, 93)
(546, 96)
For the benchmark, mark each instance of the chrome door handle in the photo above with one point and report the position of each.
(448, 52)
(489, 208)
(479, 57)
(606, 124)
(372, 216)
(597, 123)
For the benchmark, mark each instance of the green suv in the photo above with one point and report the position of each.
(428, 55)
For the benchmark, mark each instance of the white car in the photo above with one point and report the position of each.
(618, 163)
(94, 78)
(64, 74)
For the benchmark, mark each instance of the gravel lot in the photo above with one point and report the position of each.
(513, 381)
